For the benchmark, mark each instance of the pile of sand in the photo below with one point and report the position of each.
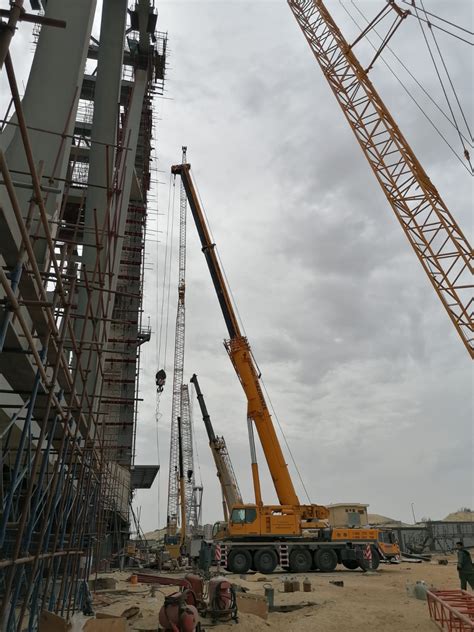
(157, 534)
(460, 516)
(378, 519)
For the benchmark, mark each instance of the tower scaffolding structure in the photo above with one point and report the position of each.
(75, 175)
(180, 401)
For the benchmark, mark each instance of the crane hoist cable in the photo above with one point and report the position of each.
(407, 90)
(413, 4)
(239, 317)
(443, 87)
(402, 15)
(161, 311)
(293, 460)
(160, 315)
(216, 249)
(405, 67)
(168, 282)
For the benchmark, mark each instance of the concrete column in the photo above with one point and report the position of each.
(105, 121)
(50, 103)
(131, 135)
(102, 158)
(119, 215)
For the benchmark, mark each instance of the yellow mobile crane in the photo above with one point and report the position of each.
(291, 534)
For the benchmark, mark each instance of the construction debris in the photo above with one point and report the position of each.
(252, 604)
(364, 602)
(50, 622)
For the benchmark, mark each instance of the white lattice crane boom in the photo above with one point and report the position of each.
(180, 401)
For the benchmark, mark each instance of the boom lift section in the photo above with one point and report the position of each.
(240, 354)
(434, 235)
(230, 489)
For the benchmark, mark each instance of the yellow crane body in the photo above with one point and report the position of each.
(296, 536)
(290, 515)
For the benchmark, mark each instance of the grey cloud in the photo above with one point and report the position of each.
(364, 368)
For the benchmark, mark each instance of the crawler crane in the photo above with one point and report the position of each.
(437, 240)
(291, 534)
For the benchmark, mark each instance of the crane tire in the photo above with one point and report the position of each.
(265, 560)
(374, 564)
(351, 565)
(300, 560)
(375, 559)
(325, 560)
(239, 560)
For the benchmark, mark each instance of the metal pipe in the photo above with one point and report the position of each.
(253, 458)
(33, 18)
(15, 278)
(27, 185)
(19, 457)
(7, 29)
(25, 560)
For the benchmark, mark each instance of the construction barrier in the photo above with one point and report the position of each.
(452, 610)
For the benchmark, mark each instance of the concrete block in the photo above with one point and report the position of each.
(50, 622)
(252, 604)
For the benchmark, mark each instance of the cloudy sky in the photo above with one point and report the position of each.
(366, 372)
(370, 382)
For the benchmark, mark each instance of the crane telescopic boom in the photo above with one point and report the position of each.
(225, 472)
(240, 354)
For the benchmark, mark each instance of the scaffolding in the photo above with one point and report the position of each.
(73, 209)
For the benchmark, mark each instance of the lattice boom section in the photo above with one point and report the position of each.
(437, 240)
(173, 481)
(188, 457)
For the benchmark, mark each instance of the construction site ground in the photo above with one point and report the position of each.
(367, 601)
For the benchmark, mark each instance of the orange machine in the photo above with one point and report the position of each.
(305, 539)
(290, 515)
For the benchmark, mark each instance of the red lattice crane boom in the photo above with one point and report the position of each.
(433, 233)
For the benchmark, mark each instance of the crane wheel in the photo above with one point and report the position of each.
(351, 565)
(265, 560)
(373, 565)
(300, 561)
(375, 559)
(325, 560)
(239, 561)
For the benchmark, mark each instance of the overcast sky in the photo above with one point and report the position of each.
(369, 379)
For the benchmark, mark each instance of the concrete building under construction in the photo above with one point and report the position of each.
(75, 163)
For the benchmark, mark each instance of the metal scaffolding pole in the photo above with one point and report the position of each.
(65, 478)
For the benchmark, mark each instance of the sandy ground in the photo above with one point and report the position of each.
(367, 602)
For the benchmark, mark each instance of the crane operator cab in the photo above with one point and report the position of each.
(244, 521)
